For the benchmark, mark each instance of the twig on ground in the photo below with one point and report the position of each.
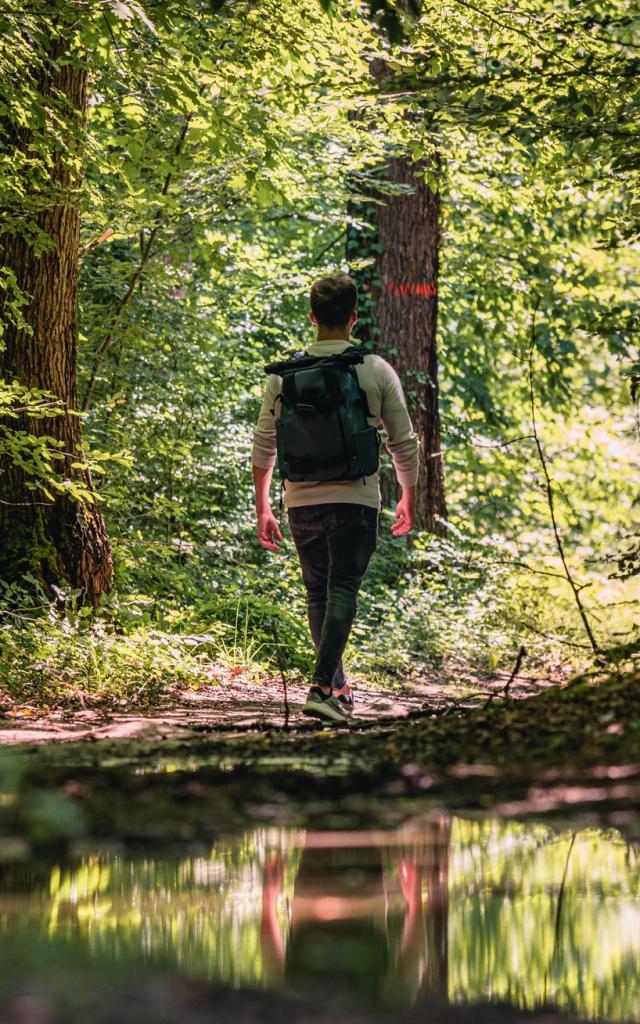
(282, 673)
(461, 700)
(516, 669)
(489, 694)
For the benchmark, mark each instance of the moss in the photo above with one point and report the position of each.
(26, 548)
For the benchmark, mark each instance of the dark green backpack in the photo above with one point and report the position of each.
(322, 432)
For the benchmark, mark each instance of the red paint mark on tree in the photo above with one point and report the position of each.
(424, 288)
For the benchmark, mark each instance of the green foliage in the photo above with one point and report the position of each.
(455, 607)
(222, 145)
(77, 663)
(34, 454)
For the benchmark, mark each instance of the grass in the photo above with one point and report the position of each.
(442, 610)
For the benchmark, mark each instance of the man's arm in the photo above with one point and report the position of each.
(268, 528)
(402, 445)
(264, 457)
(405, 513)
(273, 954)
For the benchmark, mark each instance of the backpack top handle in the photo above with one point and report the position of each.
(301, 360)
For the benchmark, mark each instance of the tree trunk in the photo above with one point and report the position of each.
(435, 987)
(61, 542)
(398, 310)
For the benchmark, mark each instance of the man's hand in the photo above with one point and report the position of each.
(273, 875)
(269, 531)
(410, 881)
(405, 514)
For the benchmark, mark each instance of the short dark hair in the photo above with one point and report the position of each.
(333, 300)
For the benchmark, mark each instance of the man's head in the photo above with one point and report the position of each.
(333, 302)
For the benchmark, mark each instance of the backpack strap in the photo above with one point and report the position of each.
(356, 354)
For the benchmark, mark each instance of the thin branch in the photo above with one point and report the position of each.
(37, 407)
(534, 40)
(529, 568)
(26, 504)
(316, 256)
(556, 639)
(502, 444)
(549, 489)
(96, 241)
(498, 444)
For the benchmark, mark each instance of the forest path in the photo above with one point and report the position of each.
(245, 701)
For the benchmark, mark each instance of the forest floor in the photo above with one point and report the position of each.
(201, 767)
(242, 700)
(221, 760)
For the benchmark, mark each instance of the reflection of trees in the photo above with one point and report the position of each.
(26, 888)
(28, 876)
(540, 916)
(459, 910)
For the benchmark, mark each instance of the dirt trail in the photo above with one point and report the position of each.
(242, 701)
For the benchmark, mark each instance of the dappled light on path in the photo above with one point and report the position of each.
(244, 701)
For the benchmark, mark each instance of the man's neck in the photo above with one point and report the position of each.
(333, 333)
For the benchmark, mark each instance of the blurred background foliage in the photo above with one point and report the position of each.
(222, 146)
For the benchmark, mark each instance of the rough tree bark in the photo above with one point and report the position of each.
(61, 542)
(399, 310)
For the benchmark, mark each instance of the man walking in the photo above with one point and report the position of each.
(334, 522)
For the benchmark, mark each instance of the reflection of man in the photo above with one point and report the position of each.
(346, 940)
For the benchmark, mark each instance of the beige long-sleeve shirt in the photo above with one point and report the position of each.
(388, 412)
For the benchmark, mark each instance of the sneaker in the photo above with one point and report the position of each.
(345, 699)
(325, 706)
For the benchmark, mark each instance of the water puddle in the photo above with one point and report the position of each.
(444, 909)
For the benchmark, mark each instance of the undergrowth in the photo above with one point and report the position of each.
(448, 609)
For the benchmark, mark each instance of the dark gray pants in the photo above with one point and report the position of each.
(334, 543)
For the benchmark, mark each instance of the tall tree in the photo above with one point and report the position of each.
(57, 533)
(400, 238)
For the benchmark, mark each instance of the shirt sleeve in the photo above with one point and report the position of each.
(263, 452)
(402, 440)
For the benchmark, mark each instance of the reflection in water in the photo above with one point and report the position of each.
(369, 916)
(443, 909)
